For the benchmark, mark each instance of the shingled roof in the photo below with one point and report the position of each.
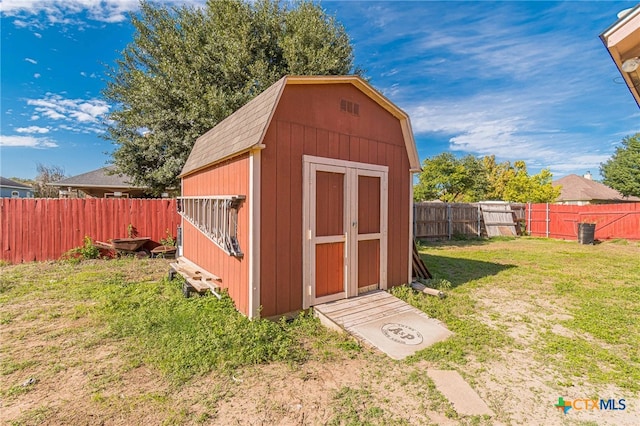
(8, 183)
(578, 188)
(246, 128)
(100, 178)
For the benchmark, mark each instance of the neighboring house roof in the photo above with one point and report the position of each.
(246, 128)
(578, 188)
(8, 183)
(97, 179)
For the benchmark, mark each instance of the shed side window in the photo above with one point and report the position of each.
(216, 217)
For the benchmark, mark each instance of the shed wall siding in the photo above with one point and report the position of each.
(308, 121)
(230, 177)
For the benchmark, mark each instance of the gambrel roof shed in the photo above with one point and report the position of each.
(245, 128)
(302, 196)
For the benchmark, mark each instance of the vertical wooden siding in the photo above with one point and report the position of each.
(368, 205)
(308, 121)
(329, 204)
(230, 177)
(368, 271)
(368, 223)
(329, 269)
(44, 228)
(561, 221)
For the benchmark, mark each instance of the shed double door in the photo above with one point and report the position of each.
(345, 227)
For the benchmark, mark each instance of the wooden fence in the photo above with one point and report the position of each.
(450, 220)
(44, 229)
(433, 220)
(561, 221)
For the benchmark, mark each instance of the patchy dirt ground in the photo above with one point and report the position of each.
(80, 380)
(57, 368)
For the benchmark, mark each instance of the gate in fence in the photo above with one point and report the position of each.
(436, 220)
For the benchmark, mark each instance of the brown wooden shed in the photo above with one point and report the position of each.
(302, 196)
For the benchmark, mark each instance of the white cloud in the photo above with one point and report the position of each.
(17, 22)
(33, 61)
(579, 164)
(34, 117)
(66, 12)
(26, 142)
(509, 127)
(38, 35)
(391, 91)
(36, 75)
(32, 129)
(82, 73)
(389, 73)
(81, 111)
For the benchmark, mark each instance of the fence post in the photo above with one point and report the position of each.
(479, 222)
(529, 217)
(415, 221)
(547, 220)
(449, 219)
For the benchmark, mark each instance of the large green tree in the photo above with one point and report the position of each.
(450, 179)
(622, 171)
(189, 68)
(523, 188)
(469, 179)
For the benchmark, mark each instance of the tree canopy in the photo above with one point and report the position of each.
(622, 171)
(189, 68)
(469, 179)
(446, 178)
(47, 175)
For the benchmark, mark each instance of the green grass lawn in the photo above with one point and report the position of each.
(180, 337)
(532, 317)
(581, 303)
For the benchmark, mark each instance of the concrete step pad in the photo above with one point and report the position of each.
(464, 399)
(384, 322)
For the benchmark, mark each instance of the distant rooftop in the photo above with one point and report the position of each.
(578, 188)
(99, 178)
(13, 184)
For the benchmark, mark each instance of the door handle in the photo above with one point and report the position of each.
(354, 223)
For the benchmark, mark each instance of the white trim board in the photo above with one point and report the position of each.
(254, 233)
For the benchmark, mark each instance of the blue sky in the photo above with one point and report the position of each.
(520, 80)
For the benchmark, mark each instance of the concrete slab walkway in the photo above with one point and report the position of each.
(464, 399)
(384, 322)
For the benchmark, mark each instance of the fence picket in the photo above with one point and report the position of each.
(433, 220)
(561, 221)
(44, 229)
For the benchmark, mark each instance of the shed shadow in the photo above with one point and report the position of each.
(461, 271)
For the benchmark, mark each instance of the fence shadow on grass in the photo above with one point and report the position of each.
(461, 242)
(461, 271)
